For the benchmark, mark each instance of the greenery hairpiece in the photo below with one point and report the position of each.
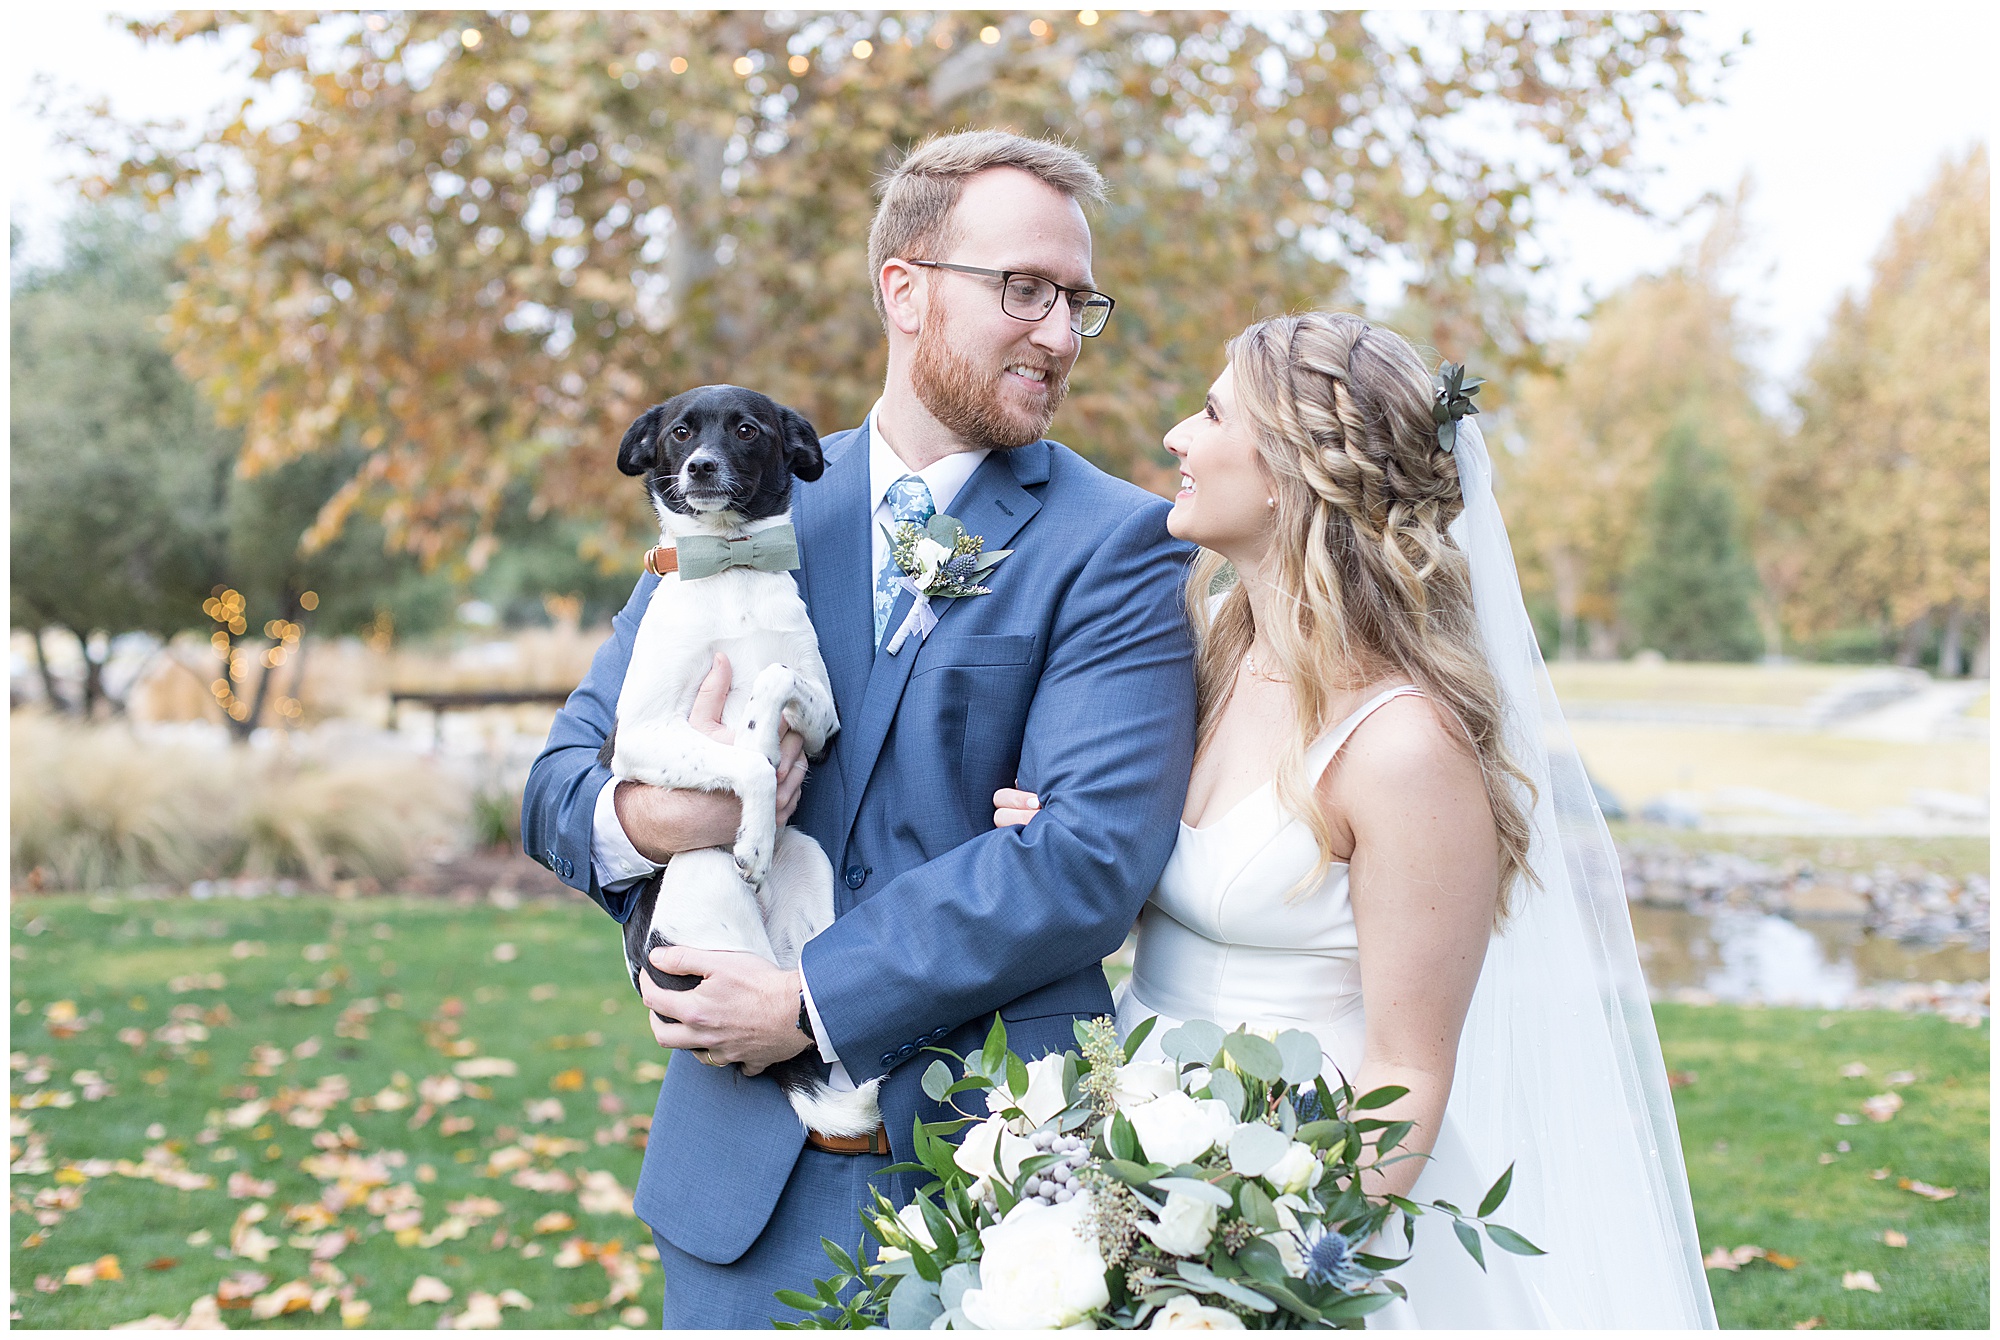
(1453, 401)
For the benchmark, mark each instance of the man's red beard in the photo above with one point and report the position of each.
(966, 398)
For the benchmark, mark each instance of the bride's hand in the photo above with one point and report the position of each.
(1012, 807)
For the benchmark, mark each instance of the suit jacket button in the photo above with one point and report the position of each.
(906, 1051)
(888, 1059)
(855, 875)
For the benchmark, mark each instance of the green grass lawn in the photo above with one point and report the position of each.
(393, 995)
(1756, 1123)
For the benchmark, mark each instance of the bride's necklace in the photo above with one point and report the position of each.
(1250, 664)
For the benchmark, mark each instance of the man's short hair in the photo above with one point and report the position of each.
(919, 194)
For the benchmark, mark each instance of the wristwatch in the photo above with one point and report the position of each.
(805, 1020)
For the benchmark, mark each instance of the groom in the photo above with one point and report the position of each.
(1073, 677)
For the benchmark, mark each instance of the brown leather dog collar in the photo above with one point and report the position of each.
(663, 560)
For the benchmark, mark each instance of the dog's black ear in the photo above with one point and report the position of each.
(640, 449)
(803, 456)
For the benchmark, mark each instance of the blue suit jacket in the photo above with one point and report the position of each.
(1073, 677)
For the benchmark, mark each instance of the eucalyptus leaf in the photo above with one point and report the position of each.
(1017, 1075)
(1195, 1188)
(913, 1304)
(1299, 1056)
(1254, 1056)
(944, 529)
(1203, 1280)
(937, 1081)
(1257, 1208)
(1261, 1261)
(1254, 1149)
(1229, 1090)
(1196, 1041)
(957, 1279)
(1129, 1172)
(1319, 1134)
(969, 1082)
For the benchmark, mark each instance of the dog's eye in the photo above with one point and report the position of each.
(746, 431)
(682, 432)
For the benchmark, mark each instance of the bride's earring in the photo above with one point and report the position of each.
(1270, 502)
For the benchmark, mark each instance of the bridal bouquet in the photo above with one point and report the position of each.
(1220, 1189)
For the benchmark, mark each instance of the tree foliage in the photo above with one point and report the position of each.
(1885, 495)
(1689, 592)
(1663, 352)
(116, 466)
(480, 243)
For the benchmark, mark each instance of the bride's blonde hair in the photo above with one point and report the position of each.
(1367, 582)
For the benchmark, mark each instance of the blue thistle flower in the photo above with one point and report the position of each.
(1329, 1256)
(959, 570)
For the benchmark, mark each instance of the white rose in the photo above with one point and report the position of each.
(1183, 1313)
(1185, 1225)
(1140, 1082)
(1041, 1269)
(1044, 1097)
(1296, 1170)
(1175, 1129)
(977, 1150)
(930, 556)
(912, 1217)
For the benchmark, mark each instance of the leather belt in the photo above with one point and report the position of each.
(875, 1142)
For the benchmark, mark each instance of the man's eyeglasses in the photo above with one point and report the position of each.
(1029, 297)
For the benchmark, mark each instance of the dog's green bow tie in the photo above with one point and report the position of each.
(775, 549)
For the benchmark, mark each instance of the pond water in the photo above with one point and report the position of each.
(1743, 956)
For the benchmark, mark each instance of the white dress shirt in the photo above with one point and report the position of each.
(616, 860)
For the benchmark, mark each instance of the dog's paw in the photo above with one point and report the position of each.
(753, 858)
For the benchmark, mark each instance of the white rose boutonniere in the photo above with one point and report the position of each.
(939, 562)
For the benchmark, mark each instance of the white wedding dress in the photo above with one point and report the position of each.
(1559, 1069)
(1223, 939)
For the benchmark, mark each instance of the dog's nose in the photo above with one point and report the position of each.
(702, 468)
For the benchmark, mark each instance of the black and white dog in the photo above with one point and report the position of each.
(719, 463)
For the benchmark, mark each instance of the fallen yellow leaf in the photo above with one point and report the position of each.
(1809, 1324)
(567, 1080)
(1860, 1279)
(1891, 1238)
(1926, 1190)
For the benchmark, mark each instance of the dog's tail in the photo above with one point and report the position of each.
(822, 1108)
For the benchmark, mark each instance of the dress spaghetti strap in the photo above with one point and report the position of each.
(1320, 756)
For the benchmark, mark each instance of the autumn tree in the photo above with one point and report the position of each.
(1885, 492)
(483, 242)
(1664, 351)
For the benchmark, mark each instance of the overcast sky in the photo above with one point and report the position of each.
(1838, 114)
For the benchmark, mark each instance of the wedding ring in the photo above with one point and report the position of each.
(701, 1054)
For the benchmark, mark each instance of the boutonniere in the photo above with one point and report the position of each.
(939, 562)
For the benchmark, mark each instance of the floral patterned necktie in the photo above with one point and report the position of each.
(909, 499)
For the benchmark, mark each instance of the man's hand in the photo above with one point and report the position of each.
(745, 1010)
(662, 822)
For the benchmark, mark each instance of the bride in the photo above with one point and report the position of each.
(1389, 840)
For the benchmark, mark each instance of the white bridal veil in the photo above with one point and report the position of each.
(1559, 1066)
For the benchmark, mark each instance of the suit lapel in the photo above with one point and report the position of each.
(995, 504)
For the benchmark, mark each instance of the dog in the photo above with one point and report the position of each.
(719, 462)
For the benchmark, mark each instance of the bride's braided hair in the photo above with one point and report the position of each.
(1373, 584)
